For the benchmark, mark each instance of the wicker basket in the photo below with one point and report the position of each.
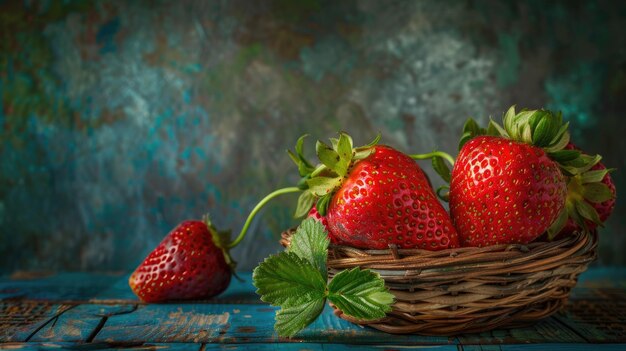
(470, 289)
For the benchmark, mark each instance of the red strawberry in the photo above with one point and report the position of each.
(596, 188)
(511, 185)
(314, 213)
(372, 197)
(386, 199)
(503, 191)
(187, 264)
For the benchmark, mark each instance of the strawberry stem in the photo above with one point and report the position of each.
(257, 208)
(429, 156)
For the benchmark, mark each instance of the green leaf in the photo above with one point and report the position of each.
(560, 142)
(322, 204)
(588, 162)
(564, 155)
(587, 211)
(558, 224)
(472, 127)
(331, 159)
(374, 142)
(344, 148)
(508, 121)
(494, 129)
(362, 153)
(304, 167)
(305, 202)
(287, 280)
(441, 168)
(291, 320)
(321, 186)
(594, 176)
(467, 136)
(544, 130)
(310, 242)
(443, 193)
(527, 135)
(597, 192)
(500, 131)
(300, 150)
(360, 294)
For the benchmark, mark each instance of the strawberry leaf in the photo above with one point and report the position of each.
(287, 280)
(295, 280)
(564, 155)
(322, 204)
(441, 168)
(594, 176)
(597, 192)
(321, 186)
(310, 242)
(558, 224)
(290, 320)
(587, 211)
(305, 202)
(344, 148)
(360, 293)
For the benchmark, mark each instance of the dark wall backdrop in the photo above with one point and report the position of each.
(121, 118)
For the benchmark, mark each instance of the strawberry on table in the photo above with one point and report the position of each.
(373, 197)
(187, 264)
(510, 185)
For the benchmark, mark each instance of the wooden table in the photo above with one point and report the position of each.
(98, 311)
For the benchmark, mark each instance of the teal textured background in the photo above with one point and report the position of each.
(120, 119)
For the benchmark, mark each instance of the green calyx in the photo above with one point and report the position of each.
(540, 128)
(583, 190)
(320, 182)
(221, 239)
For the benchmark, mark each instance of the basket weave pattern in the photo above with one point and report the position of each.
(469, 289)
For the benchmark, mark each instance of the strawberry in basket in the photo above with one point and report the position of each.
(372, 197)
(590, 199)
(509, 183)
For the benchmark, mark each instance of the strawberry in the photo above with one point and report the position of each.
(596, 189)
(314, 213)
(373, 197)
(509, 186)
(187, 264)
(504, 192)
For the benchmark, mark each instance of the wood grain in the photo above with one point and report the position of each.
(100, 312)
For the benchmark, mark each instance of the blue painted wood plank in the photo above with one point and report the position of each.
(80, 323)
(323, 347)
(104, 288)
(100, 346)
(20, 319)
(168, 323)
(547, 346)
(598, 320)
(242, 323)
(57, 287)
(548, 330)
